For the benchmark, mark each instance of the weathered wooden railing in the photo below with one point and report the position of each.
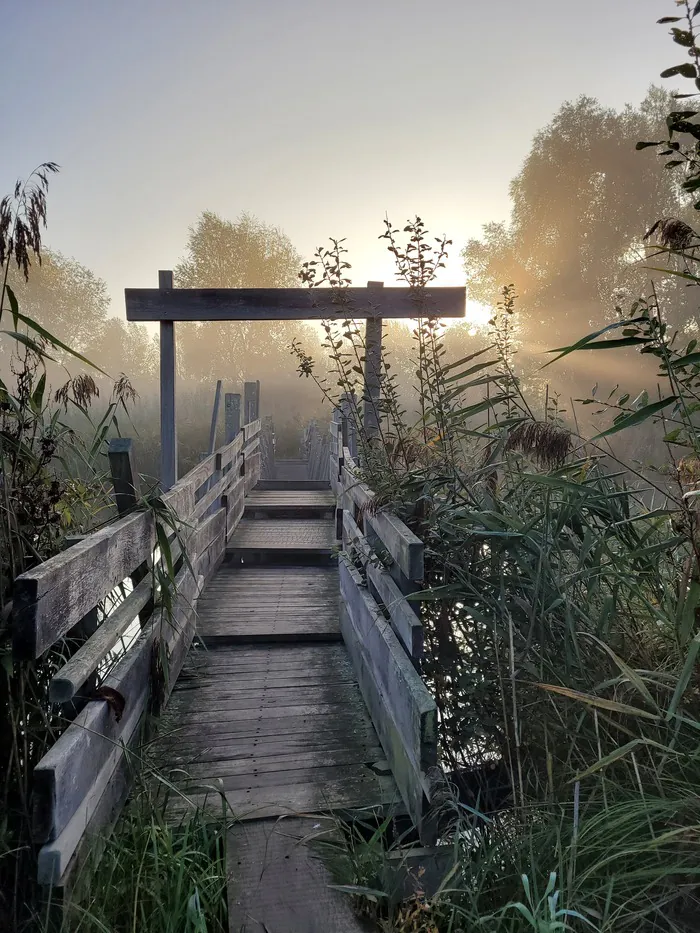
(267, 448)
(382, 563)
(314, 449)
(82, 782)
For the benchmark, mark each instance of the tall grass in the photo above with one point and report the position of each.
(153, 875)
(562, 635)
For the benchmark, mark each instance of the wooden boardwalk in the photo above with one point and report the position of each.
(268, 713)
(288, 683)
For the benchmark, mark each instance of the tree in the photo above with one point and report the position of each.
(582, 203)
(72, 303)
(65, 297)
(246, 253)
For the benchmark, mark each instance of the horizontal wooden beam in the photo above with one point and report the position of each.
(290, 304)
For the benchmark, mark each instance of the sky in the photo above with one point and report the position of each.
(318, 117)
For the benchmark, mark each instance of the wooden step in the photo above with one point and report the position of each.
(289, 503)
(258, 539)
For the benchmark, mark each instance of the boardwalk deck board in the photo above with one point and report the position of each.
(273, 874)
(291, 497)
(272, 604)
(268, 708)
(312, 536)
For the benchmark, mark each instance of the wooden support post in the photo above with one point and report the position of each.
(125, 479)
(232, 410)
(168, 430)
(348, 406)
(251, 401)
(214, 417)
(127, 491)
(373, 366)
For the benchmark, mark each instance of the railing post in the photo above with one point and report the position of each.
(373, 367)
(127, 489)
(168, 428)
(125, 479)
(348, 406)
(267, 448)
(251, 401)
(214, 417)
(232, 410)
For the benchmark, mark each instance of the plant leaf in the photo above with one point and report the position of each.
(28, 342)
(637, 417)
(684, 679)
(589, 338)
(600, 702)
(55, 342)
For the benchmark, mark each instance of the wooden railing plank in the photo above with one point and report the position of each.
(353, 539)
(252, 430)
(229, 452)
(400, 542)
(52, 597)
(405, 623)
(68, 680)
(410, 703)
(405, 547)
(402, 711)
(404, 620)
(64, 776)
(55, 857)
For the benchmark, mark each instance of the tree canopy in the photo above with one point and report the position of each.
(72, 303)
(246, 253)
(581, 205)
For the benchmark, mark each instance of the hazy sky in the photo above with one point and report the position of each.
(319, 117)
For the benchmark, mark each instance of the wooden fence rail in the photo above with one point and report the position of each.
(82, 782)
(381, 564)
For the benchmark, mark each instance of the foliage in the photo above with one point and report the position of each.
(244, 254)
(72, 302)
(561, 630)
(581, 205)
(681, 146)
(155, 876)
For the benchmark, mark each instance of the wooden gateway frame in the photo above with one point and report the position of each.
(167, 305)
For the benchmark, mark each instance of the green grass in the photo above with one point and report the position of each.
(153, 876)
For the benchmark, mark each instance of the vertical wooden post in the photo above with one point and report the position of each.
(125, 479)
(373, 368)
(232, 413)
(251, 401)
(348, 406)
(168, 430)
(214, 417)
(127, 489)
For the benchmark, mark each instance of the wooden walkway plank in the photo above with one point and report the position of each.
(278, 883)
(283, 799)
(309, 536)
(245, 605)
